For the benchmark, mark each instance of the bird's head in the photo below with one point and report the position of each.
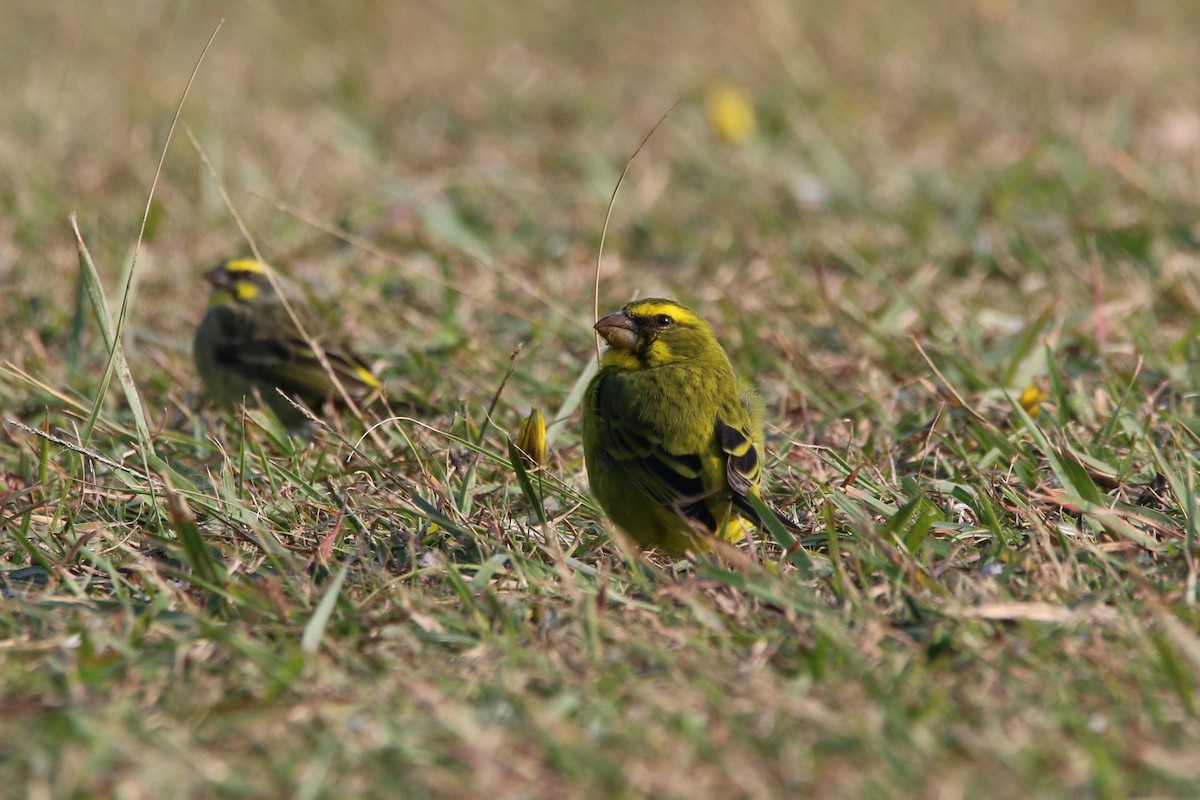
(654, 332)
(239, 280)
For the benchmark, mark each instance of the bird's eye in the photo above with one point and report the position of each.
(664, 320)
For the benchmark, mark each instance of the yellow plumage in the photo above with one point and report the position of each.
(248, 344)
(672, 440)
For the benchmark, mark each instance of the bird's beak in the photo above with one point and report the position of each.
(218, 278)
(618, 330)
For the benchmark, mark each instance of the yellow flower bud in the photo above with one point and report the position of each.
(1031, 399)
(531, 438)
(730, 113)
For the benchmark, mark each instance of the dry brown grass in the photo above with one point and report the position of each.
(941, 206)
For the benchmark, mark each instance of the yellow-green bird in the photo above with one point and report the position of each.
(672, 440)
(247, 343)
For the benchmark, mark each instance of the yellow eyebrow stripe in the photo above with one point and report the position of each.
(245, 265)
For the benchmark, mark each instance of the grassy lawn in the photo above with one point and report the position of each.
(958, 254)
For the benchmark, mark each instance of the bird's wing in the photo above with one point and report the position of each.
(671, 479)
(743, 471)
(351, 371)
(292, 365)
(743, 461)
